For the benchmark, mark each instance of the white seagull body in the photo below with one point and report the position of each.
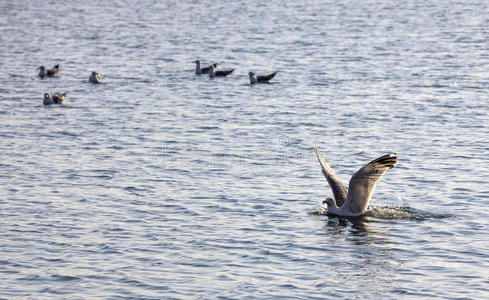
(354, 202)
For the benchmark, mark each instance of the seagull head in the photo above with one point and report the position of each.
(253, 78)
(329, 201)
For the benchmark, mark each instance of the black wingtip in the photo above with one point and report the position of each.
(388, 160)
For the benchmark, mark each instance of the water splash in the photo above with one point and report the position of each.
(389, 213)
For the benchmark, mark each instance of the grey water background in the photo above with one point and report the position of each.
(162, 184)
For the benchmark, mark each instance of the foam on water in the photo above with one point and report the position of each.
(387, 213)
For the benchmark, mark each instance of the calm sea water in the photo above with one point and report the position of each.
(162, 184)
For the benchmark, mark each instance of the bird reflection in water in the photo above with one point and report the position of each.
(357, 226)
(366, 258)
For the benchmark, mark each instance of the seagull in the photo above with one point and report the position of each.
(261, 78)
(56, 98)
(199, 70)
(59, 98)
(213, 73)
(50, 72)
(48, 100)
(354, 202)
(94, 78)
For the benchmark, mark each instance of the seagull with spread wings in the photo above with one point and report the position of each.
(354, 202)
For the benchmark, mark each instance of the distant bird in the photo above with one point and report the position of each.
(47, 99)
(59, 98)
(213, 73)
(49, 73)
(199, 70)
(56, 98)
(94, 78)
(354, 202)
(261, 79)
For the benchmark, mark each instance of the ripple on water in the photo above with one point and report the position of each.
(387, 213)
(161, 184)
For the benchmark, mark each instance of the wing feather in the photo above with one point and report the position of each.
(266, 78)
(224, 72)
(339, 190)
(362, 183)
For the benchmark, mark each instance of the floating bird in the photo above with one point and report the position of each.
(361, 186)
(49, 73)
(261, 78)
(199, 70)
(59, 98)
(213, 73)
(94, 78)
(47, 99)
(56, 98)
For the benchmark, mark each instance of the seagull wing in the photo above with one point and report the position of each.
(224, 72)
(205, 70)
(266, 78)
(339, 190)
(362, 183)
(53, 71)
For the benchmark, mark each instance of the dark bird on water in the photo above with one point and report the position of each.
(199, 70)
(261, 78)
(94, 78)
(213, 73)
(48, 72)
(57, 98)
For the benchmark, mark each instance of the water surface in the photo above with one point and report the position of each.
(162, 184)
